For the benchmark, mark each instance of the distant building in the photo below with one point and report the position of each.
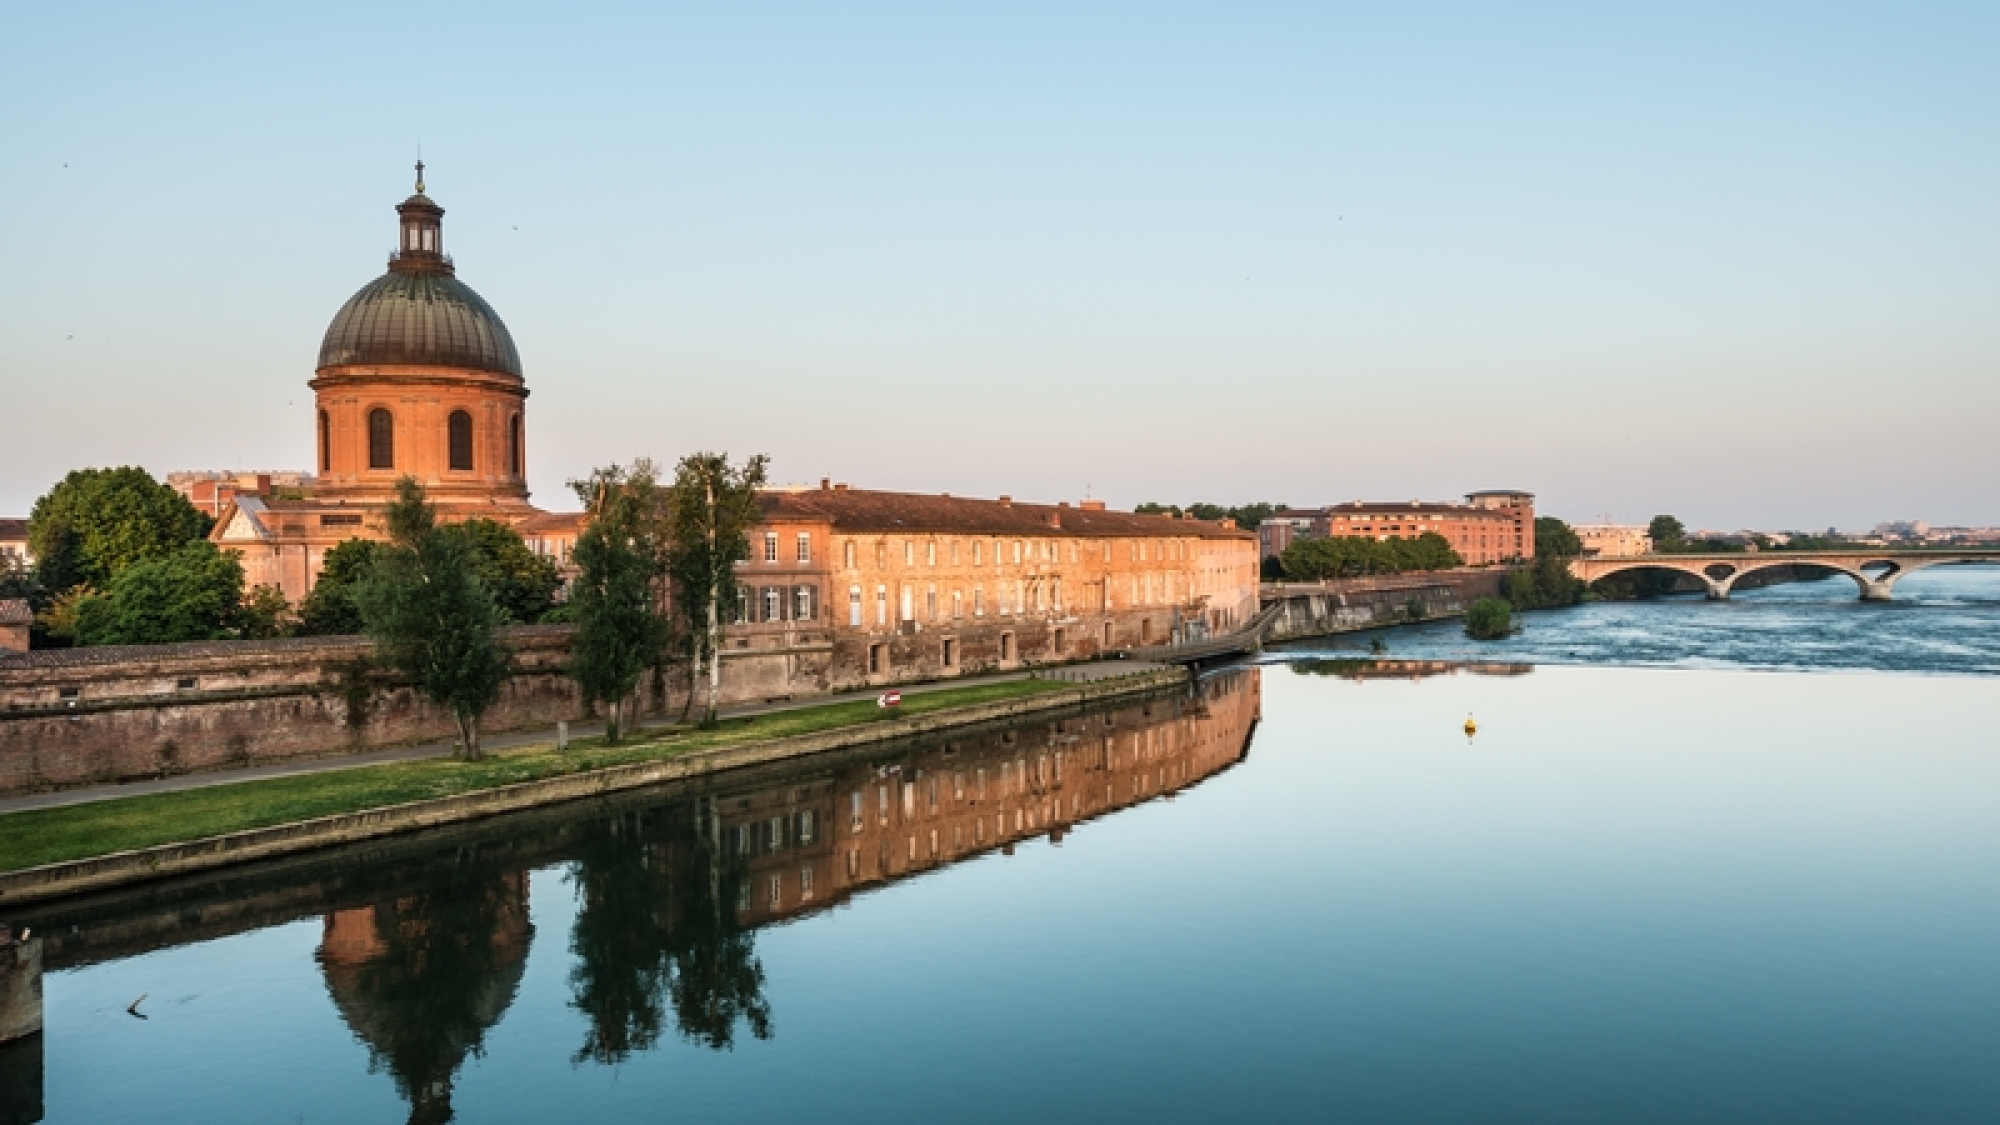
(1616, 539)
(1490, 527)
(14, 542)
(211, 490)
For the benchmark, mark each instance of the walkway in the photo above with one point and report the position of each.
(84, 795)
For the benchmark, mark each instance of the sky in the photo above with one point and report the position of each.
(1735, 262)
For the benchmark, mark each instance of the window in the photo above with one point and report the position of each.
(854, 605)
(847, 553)
(774, 603)
(770, 546)
(976, 553)
(1017, 552)
(930, 553)
(806, 826)
(459, 435)
(909, 553)
(744, 606)
(805, 882)
(514, 446)
(325, 443)
(979, 601)
(802, 603)
(909, 604)
(381, 439)
(881, 605)
(881, 555)
(954, 552)
(930, 603)
(854, 810)
(805, 547)
(957, 605)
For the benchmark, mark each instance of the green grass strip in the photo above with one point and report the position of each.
(38, 836)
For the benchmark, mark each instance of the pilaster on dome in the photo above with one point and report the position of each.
(420, 246)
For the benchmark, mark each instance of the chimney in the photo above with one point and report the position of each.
(826, 484)
(841, 487)
(1006, 501)
(1092, 505)
(1062, 503)
(1055, 519)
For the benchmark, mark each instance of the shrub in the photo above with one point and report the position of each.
(1489, 619)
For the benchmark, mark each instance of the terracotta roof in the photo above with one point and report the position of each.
(553, 521)
(15, 611)
(859, 510)
(12, 528)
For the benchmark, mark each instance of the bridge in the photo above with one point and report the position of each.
(1876, 571)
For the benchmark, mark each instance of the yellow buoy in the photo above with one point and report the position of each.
(1471, 728)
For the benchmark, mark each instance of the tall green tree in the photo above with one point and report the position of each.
(1667, 533)
(618, 596)
(523, 583)
(710, 508)
(1554, 537)
(1350, 556)
(329, 609)
(193, 594)
(430, 617)
(96, 522)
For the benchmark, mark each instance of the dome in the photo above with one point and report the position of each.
(420, 318)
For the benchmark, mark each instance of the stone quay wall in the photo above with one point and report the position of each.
(1342, 605)
(58, 880)
(88, 716)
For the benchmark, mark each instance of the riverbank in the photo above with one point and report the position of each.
(51, 853)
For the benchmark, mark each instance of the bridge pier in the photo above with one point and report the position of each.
(1717, 591)
(1877, 589)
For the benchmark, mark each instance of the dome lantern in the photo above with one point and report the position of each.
(421, 247)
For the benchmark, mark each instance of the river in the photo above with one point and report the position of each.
(1719, 862)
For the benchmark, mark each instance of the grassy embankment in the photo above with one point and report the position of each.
(31, 838)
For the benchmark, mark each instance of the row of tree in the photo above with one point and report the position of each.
(1351, 556)
(1245, 515)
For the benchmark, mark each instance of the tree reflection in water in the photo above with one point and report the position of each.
(421, 978)
(655, 924)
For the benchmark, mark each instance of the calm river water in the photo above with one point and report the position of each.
(1701, 862)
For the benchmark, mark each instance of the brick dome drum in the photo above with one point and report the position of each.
(419, 318)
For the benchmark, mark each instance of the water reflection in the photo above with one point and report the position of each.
(425, 940)
(420, 979)
(1369, 668)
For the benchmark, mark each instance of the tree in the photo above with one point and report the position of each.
(1489, 619)
(1544, 584)
(96, 522)
(263, 614)
(1667, 533)
(430, 617)
(523, 583)
(329, 610)
(193, 594)
(1554, 537)
(710, 508)
(1348, 556)
(617, 598)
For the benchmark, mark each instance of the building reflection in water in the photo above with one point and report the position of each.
(425, 938)
(1370, 668)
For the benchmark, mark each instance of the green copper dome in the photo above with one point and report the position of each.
(429, 318)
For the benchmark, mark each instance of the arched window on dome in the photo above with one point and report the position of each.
(381, 439)
(325, 443)
(514, 445)
(460, 427)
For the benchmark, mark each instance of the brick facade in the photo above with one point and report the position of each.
(1490, 527)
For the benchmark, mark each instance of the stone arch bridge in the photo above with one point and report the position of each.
(1875, 571)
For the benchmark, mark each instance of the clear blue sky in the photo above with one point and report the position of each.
(1732, 261)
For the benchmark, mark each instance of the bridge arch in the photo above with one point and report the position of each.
(1875, 574)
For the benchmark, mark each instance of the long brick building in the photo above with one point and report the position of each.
(1490, 527)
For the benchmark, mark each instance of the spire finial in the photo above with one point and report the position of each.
(420, 176)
